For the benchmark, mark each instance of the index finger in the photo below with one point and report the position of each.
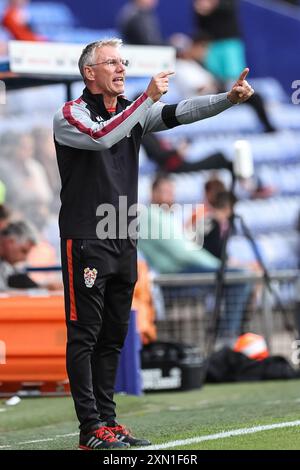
(243, 75)
(166, 74)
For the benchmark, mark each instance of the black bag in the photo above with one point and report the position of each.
(230, 366)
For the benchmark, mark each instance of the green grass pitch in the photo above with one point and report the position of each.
(166, 417)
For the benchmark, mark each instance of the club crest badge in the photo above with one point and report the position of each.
(90, 276)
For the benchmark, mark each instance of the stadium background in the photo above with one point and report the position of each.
(273, 60)
(269, 53)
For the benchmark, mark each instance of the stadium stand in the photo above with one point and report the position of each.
(272, 220)
(276, 156)
(56, 22)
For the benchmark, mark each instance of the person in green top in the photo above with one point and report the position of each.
(169, 250)
(2, 192)
(162, 239)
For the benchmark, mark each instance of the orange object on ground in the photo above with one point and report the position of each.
(142, 303)
(252, 345)
(34, 334)
(43, 255)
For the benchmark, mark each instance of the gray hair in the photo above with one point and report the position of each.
(20, 230)
(88, 54)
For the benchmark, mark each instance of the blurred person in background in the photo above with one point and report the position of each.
(142, 302)
(3, 48)
(97, 140)
(193, 78)
(223, 51)
(218, 20)
(218, 213)
(24, 176)
(217, 222)
(293, 2)
(15, 20)
(7, 164)
(44, 153)
(175, 254)
(16, 241)
(212, 188)
(35, 181)
(172, 159)
(5, 215)
(43, 255)
(2, 192)
(139, 24)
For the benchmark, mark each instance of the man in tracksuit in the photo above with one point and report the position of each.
(97, 140)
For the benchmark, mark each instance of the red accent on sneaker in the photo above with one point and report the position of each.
(105, 434)
(120, 428)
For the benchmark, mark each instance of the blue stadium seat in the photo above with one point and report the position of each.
(51, 13)
(79, 35)
(270, 89)
(277, 250)
(4, 34)
(3, 4)
(286, 116)
(280, 147)
(136, 86)
(284, 178)
(277, 213)
(241, 120)
(145, 189)
(237, 120)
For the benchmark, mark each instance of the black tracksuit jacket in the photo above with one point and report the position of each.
(98, 154)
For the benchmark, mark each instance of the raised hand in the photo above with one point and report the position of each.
(158, 85)
(241, 90)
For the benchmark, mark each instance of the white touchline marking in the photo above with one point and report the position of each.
(222, 435)
(54, 438)
(193, 440)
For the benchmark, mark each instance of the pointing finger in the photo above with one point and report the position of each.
(243, 75)
(166, 74)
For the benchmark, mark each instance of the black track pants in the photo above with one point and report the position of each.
(99, 278)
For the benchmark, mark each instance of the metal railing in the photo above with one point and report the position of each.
(247, 306)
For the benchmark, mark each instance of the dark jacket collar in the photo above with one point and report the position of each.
(96, 103)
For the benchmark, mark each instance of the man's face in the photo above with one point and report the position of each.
(164, 193)
(222, 215)
(108, 78)
(25, 147)
(15, 251)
